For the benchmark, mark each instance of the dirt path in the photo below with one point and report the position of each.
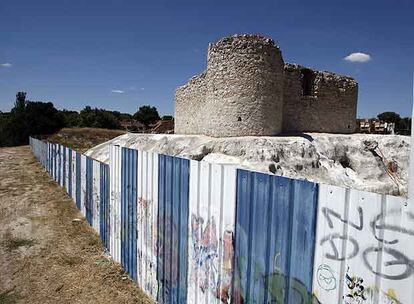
(46, 257)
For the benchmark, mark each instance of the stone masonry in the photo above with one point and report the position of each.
(247, 89)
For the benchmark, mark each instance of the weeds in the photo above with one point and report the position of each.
(15, 243)
(7, 297)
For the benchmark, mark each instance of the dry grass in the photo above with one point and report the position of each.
(45, 257)
(82, 139)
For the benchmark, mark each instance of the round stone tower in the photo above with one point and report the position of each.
(244, 89)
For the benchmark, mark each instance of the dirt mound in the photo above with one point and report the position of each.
(82, 139)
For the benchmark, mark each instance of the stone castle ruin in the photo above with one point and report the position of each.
(247, 89)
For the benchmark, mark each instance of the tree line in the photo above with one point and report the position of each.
(34, 118)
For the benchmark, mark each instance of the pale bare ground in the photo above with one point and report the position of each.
(45, 257)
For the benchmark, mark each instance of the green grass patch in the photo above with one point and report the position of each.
(15, 243)
(8, 297)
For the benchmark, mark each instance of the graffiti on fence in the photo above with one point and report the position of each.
(363, 253)
(205, 251)
(147, 245)
(270, 286)
(388, 297)
(394, 257)
(367, 239)
(325, 277)
(207, 271)
(355, 293)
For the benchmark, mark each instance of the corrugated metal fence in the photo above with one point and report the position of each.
(195, 232)
(85, 180)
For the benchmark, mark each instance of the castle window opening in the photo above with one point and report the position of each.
(308, 78)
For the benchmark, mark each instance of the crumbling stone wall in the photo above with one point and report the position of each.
(244, 87)
(324, 102)
(189, 105)
(248, 90)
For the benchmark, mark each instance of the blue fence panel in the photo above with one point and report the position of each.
(129, 167)
(172, 243)
(275, 239)
(89, 190)
(104, 204)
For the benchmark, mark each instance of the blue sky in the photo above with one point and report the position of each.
(76, 53)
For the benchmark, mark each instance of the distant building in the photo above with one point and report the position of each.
(132, 125)
(375, 126)
(163, 126)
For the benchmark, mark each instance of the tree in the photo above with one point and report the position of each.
(42, 118)
(4, 131)
(15, 128)
(389, 117)
(28, 118)
(122, 116)
(87, 117)
(167, 117)
(106, 119)
(147, 115)
(98, 118)
(71, 119)
(20, 102)
(402, 125)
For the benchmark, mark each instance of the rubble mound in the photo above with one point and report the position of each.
(375, 163)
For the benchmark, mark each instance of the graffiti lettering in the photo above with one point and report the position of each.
(325, 277)
(336, 255)
(388, 297)
(378, 224)
(327, 212)
(396, 259)
(355, 293)
(276, 282)
(395, 264)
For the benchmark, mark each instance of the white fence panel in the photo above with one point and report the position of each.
(96, 191)
(358, 254)
(147, 213)
(83, 185)
(61, 165)
(67, 165)
(73, 177)
(211, 231)
(115, 202)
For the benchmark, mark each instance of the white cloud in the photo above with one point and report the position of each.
(133, 88)
(358, 57)
(118, 91)
(6, 65)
